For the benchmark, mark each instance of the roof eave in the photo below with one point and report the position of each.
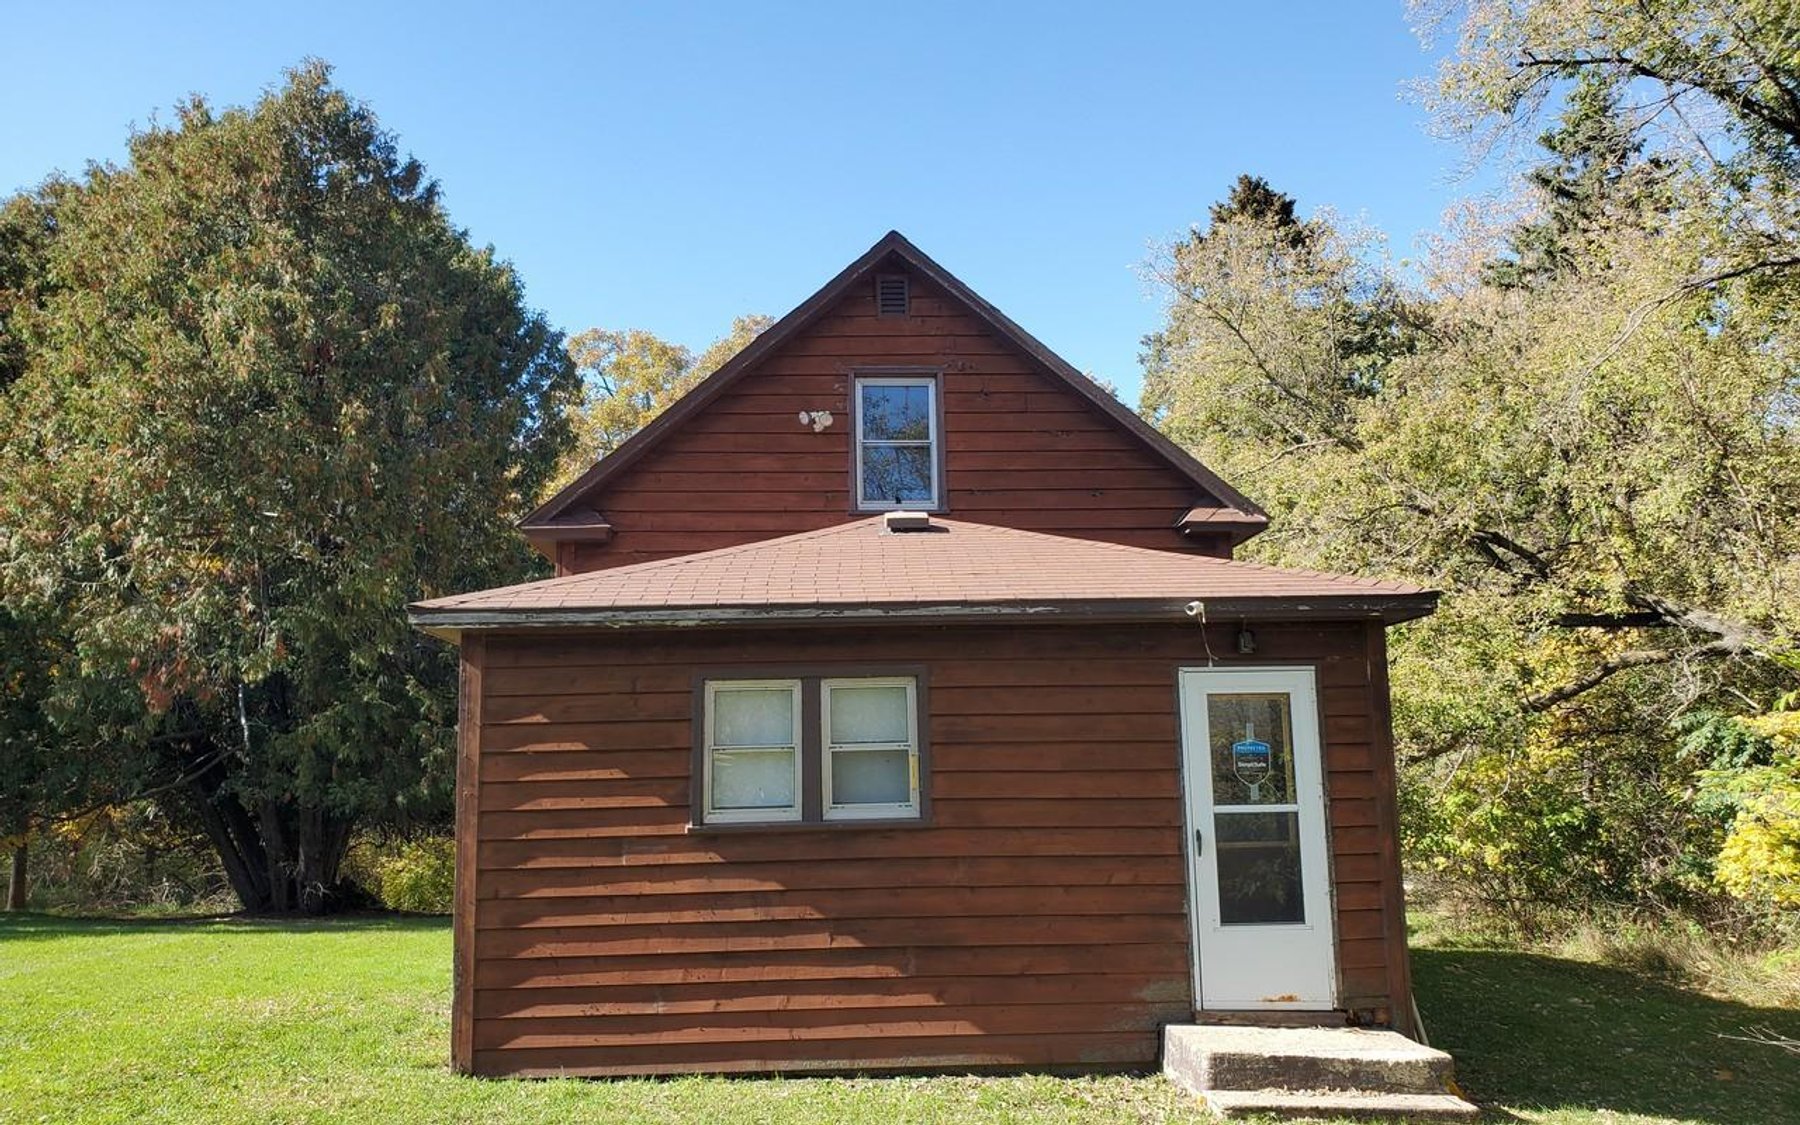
(544, 538)
(1388, 608)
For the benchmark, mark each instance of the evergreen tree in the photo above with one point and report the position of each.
(266, 394)
(1596, 174)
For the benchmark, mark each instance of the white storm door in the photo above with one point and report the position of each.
(1259, 876)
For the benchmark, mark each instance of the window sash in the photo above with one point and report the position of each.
(829, 750)
(931, 442)
(763, 814)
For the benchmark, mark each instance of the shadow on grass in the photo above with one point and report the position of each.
(1536, 1032)
(55, 927)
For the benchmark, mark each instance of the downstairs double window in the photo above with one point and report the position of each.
(809, 749)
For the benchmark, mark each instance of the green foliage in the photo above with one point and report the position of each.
(269, 395)
(1596, 171)
(1291, 321)
(1754, 776)
(128, 860)
(1251, 199)
(1718, 72)
(417, 875)
(1601, 469)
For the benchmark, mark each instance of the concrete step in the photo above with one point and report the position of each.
(1354, 1104)
(1206, 1058)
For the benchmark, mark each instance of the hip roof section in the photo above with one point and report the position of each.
(947, 570)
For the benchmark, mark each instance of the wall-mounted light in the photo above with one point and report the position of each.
(819, 420)
(1246, 640)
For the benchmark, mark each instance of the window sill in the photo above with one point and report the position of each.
(885, 509)
(806, 825)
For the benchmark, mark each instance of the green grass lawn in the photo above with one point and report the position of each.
(346, 1020)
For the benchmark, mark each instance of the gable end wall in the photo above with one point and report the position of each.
(1021, 449)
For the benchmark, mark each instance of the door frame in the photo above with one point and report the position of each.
(1195, 908)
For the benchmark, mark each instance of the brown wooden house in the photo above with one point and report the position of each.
(898, 705)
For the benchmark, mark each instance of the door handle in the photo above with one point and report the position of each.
(1199, 843)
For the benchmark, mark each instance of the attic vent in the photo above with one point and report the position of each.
(908, 521)
(891, 296)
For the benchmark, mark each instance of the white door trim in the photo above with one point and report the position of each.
(1298, 961)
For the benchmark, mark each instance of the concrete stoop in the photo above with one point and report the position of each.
(1313, 1072)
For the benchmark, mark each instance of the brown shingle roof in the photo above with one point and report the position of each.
(955, 570)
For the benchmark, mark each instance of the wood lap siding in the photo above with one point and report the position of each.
(1039, 920)
(1021, 450)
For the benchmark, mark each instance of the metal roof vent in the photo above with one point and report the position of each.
(908, 521)
(892, 296)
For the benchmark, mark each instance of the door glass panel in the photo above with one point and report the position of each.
(1251, 740)
(1259, 868)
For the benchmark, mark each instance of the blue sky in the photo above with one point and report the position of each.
(668, 166)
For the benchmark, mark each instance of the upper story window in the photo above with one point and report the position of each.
(897, 442)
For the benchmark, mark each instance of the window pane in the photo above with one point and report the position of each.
(896, 413)
(870, 777)
(893, 474)
(1252, 748)
(753, 717)
(752, 779)
(868, 714)
(1259, 868)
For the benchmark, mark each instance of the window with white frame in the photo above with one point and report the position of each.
(752, 755)
(810, 748)
(871, 748)
(896, 442)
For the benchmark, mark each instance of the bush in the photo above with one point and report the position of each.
(417, 876)
(125, 859)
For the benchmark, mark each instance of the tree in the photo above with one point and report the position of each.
(1290, 321)
(269, 394)
(1596, 174)
(1251, 199)
(1600, 469)
(631, 376)
(1713, 85)
(1668, 254)
(1692, 62)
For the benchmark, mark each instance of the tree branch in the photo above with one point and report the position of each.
(1730, 638)
(1644, 620)
(1498, 548)
(1736, 96)
(1637, 658)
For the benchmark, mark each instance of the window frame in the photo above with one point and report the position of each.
(869, 811)
(930, 378)
(766, 815)
(811, 756)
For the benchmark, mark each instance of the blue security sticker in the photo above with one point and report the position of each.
(1251, 760)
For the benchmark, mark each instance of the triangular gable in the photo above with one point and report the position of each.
(564, 515)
